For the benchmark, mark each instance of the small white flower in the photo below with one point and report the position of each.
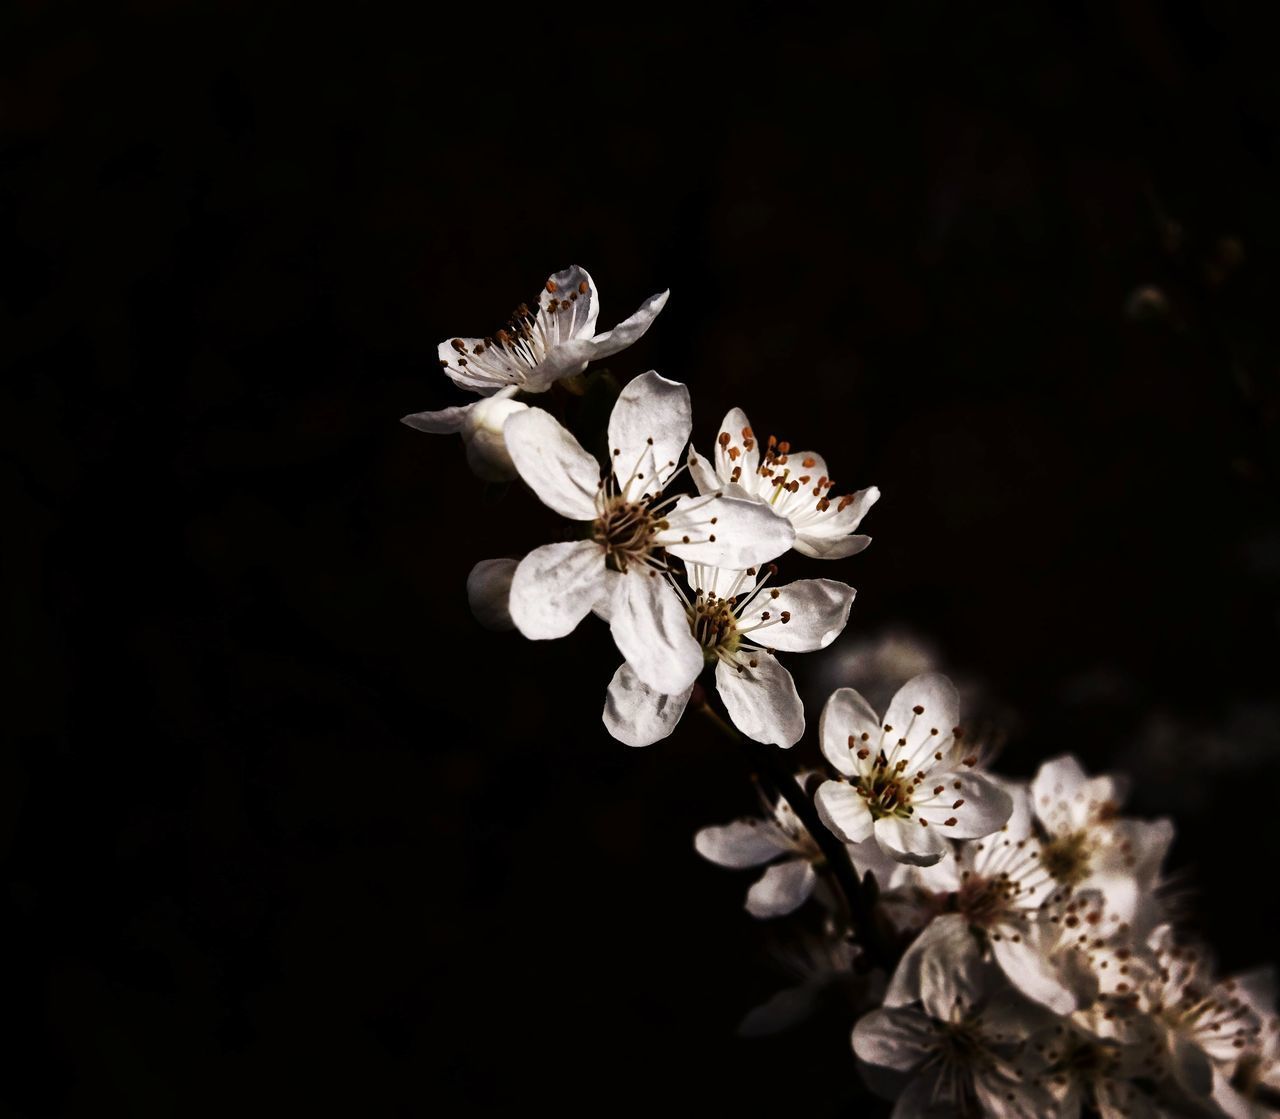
(782, 841)
(1087, 845)
(737, 622)
(962, 1051)
(480, 425)
(620, 567)
(996, 888)
(906, 778)
(537, 348)
(796, 486)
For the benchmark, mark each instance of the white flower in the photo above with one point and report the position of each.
(537, 348)
(995, 888)
(796, 486)
(907, 779)
(962, 1050)
(1088, 846)
(781, 840)
(737, 622)
(632, 529)
(480, 425)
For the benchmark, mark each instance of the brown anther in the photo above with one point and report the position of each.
(786, 617)
(459, 345)
(845, 502)
(918, 709)
(950, 822)
(583, 288)
(724, 439)
(551, 286)
(809, 462)
(774, 592)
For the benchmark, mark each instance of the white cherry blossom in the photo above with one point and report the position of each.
(631, 529)
(480, 425)
(1087, 845)
(797, 486)
(738, 621)
(780, 840)
(537, 348)
(961, 1048)
(906, 779)
(996, 888)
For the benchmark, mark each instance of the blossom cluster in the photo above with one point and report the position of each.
(1006, 947)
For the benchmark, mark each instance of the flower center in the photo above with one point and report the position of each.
(886, 789)
(1066, 858)
(715, 625)
(986, 901)
(625, 530)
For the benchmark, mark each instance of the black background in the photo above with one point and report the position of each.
(283, 830)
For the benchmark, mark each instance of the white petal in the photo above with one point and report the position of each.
(648, 429)
(1027, 966)
(631, 329)
(898, 1039)
(651, 629)
(940, 968)
(555, 587)
(735, 425)
(846, 716)
(553, 464)
(488, 592)
(986, 807)
(783, 889)
(700, 470)
(941, 703)
(448, 421)
(637, 715)
(499, 370)
(762, 701)
(741, 844)
(830, 547)
(816, 611)
(483, 433)
(909, 841)
(584, 306)
(844, 811)
(837, 521)
(744, 533)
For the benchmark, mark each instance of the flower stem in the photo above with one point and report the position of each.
(867, 929)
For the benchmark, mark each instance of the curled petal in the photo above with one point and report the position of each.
(555, 587)
(733, 453)
(846, 718)
(844, 811)
(783, 889)
(830, 547)
(631, 329)
(651, 629)
(574, 286)
(553, 464)
(489, 592)
(637, 715)
(761, 700)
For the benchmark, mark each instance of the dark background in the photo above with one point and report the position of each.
(283, 830)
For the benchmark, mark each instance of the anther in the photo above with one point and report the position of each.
(551, 286)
